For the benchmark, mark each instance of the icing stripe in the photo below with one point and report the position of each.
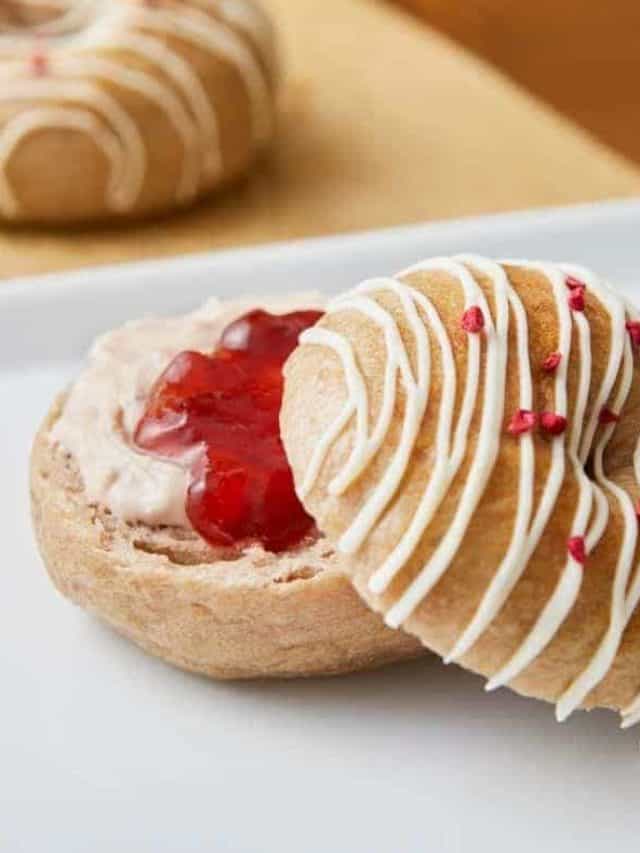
(188, 84)
(620, 350)
(121, 195)
(365, 447)
(485, 454)
(72, 15)
(206, 32)
(553, 614)
(252, 20)
(633, 597)
(357, 402)
(631, 714)
(446, 465)
(362, 454)
(414, 410)
(515, 560)
(153, 90)
(560, 604)
(570, 580)
(447, 460)
(604, 656)
(26, 123)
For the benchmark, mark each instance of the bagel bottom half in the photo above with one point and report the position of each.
(222, 614)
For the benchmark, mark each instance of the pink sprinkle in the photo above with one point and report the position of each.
(638, 509)
(551, 362)
(633, 327)
(39, 63)
(572, 283)
(39, 57)
(576, 298)
(523, 421)
(473, 320)
(577, 549)
(607, 416)
(552, 423)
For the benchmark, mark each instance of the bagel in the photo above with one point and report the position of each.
(126, 108)
(111, 528)
(472, 453)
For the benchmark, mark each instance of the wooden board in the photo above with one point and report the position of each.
(579, 55)
(383, 122)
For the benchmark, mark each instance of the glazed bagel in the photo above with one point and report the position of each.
(466, 434)
(224, 612)
(127, 108)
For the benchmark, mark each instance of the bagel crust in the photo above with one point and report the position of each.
(467, 435)
(125, 108)
(224, 615)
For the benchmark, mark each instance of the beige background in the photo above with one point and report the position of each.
(579, 55)
(383, 122)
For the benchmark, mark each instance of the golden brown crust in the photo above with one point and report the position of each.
(315, 383)
(76, 189)
(225, 618)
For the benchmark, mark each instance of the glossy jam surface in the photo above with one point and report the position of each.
(220, 413)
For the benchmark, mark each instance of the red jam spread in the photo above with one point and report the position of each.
(221, 412)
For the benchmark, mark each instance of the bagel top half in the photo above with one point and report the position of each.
(466, 435)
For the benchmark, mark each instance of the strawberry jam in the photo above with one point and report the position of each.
(220, 412)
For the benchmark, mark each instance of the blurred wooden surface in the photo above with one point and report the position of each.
(384, 122)
(582, 56)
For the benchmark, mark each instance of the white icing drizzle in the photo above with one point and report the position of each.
(190, 87)
(357, 401)
(72, 14)
(156, 92)
(397, 364)
(127, 170)
(210, 34)
(447, 458)
(631, 714)
(486, 448)
(592, 508)
(221, 28)
(526, 534)
(568, 586)
(252, 20)
(633, 597)
(25, 123)
(619, 351)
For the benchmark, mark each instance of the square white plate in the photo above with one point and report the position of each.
(105, 749)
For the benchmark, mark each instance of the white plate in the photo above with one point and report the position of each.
(105, 749)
